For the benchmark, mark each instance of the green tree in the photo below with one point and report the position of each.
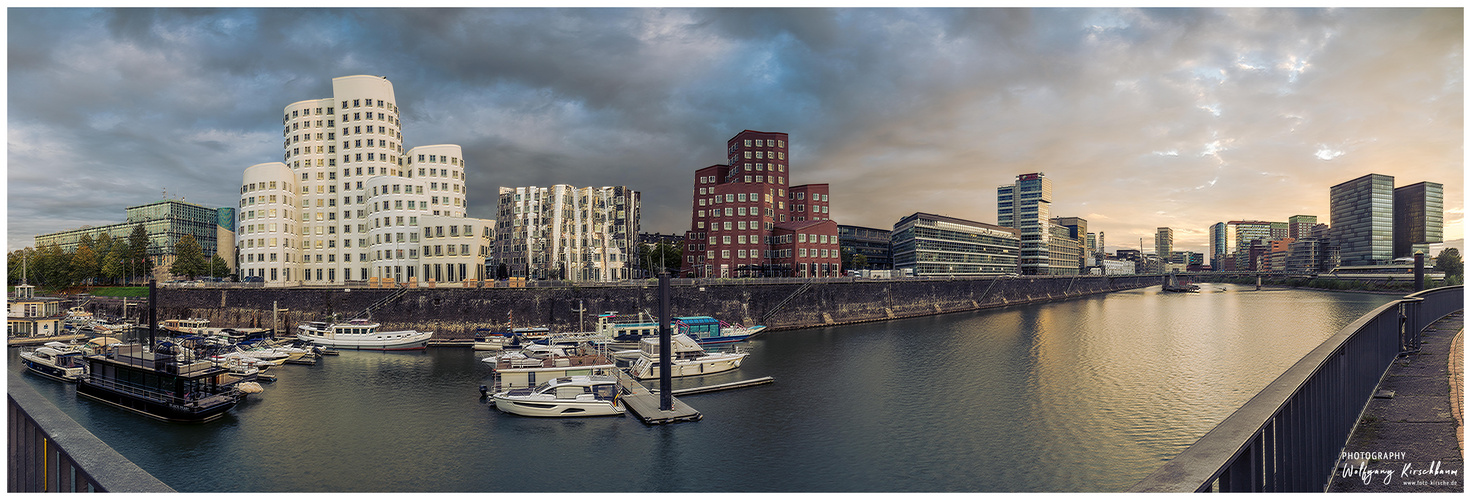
(85, 264)
(115, 264)
(51, 266)
(189, 259)
(860, 261)
(1449, 262)
(217, 267)
(138, 262)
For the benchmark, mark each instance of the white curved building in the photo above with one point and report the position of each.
(352, 202)
(266, 230)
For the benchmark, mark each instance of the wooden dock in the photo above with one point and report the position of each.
(644, 404)
(721, 387)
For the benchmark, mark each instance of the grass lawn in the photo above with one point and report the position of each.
(120, 291)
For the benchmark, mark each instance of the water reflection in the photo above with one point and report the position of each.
(1083, 395)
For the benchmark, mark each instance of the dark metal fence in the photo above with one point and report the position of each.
(50, 452)
(1288, 437)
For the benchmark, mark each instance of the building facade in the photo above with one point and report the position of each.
(1164, 243)
(1419, 212)
(1298, 226)
(1026, 207)
(567, 232)
(166, 222)
(1361, 215)
(736, 208)
(872, 244)
(935, 245)
(347, 201)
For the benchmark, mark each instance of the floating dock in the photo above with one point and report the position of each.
(721, 387)
(644, 404)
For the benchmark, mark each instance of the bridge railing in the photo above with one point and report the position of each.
(1288, 437)
(50, 452)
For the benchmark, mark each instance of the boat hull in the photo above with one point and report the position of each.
(689, 368)
(556, 408)
(410, 343)
(52, 372)
(206, 410)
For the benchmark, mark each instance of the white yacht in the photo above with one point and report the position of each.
(574, 396)
(55, 360)
(361, 334)
(688, 359)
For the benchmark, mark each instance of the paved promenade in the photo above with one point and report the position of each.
(1411, 436)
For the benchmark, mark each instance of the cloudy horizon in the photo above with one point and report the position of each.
(1142, 118)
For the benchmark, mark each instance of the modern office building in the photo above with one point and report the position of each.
(1077, 231)
(1419, 212)
(1064, 252)
(347, 201)
(1298, 226)
(1219, 242)
(1361, 215)
(872, 244)
(737, 207)
(1026, 207)
(166, 222)
(566, 232)
(1164, 243)
(935, 245)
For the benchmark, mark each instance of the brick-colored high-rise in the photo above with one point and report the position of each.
(746, 220)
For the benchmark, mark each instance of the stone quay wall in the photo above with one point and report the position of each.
(457, 312)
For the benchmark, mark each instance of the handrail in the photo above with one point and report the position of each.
(51, 452)
(1287, 437)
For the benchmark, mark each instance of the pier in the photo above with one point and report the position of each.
(644, 404)
(721, 387)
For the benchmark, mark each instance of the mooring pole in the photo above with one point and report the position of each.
(152, 310)
(666, 372)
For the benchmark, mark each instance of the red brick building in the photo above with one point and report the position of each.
(740, 209)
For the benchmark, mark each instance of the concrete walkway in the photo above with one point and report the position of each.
(1411, 435)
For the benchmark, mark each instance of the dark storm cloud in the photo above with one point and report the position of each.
(1143, 118)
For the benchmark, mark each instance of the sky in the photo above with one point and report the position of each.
(1142, 118)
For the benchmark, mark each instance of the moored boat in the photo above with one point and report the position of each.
(361, 334)
(55, 360)
(687, 359)
(574, 396)
(164, 384)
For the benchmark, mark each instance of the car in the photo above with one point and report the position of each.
(252, 279)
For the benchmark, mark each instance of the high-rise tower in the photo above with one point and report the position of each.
(1026, 206)
(1361, 218)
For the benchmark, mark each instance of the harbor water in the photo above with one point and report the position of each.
(1089, 394)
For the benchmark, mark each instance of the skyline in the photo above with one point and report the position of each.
(1223, 114)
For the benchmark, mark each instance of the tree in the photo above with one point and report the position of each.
(217, 266)
(50, 266)
(189, 259)
(138, 260)
(115, 265)
(1449, 262)
(85, 264)
(860, 261)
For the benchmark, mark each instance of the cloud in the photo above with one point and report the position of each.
(1130, 111)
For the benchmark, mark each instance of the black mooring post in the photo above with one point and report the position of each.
(666, 372)
(1419, 271)
(152, 310)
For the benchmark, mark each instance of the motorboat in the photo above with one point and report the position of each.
(707, 330)
(686, 359)
(55, 360)
(191, 326)
(163, 384)
(361, 334)
(516, 369)
(574, 396)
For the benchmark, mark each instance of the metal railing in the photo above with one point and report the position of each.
(50, 452)
(1288, 437)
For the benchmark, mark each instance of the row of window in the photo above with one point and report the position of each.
(262, 186)
(785, 253)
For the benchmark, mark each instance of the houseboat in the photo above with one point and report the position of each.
(165, 384)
